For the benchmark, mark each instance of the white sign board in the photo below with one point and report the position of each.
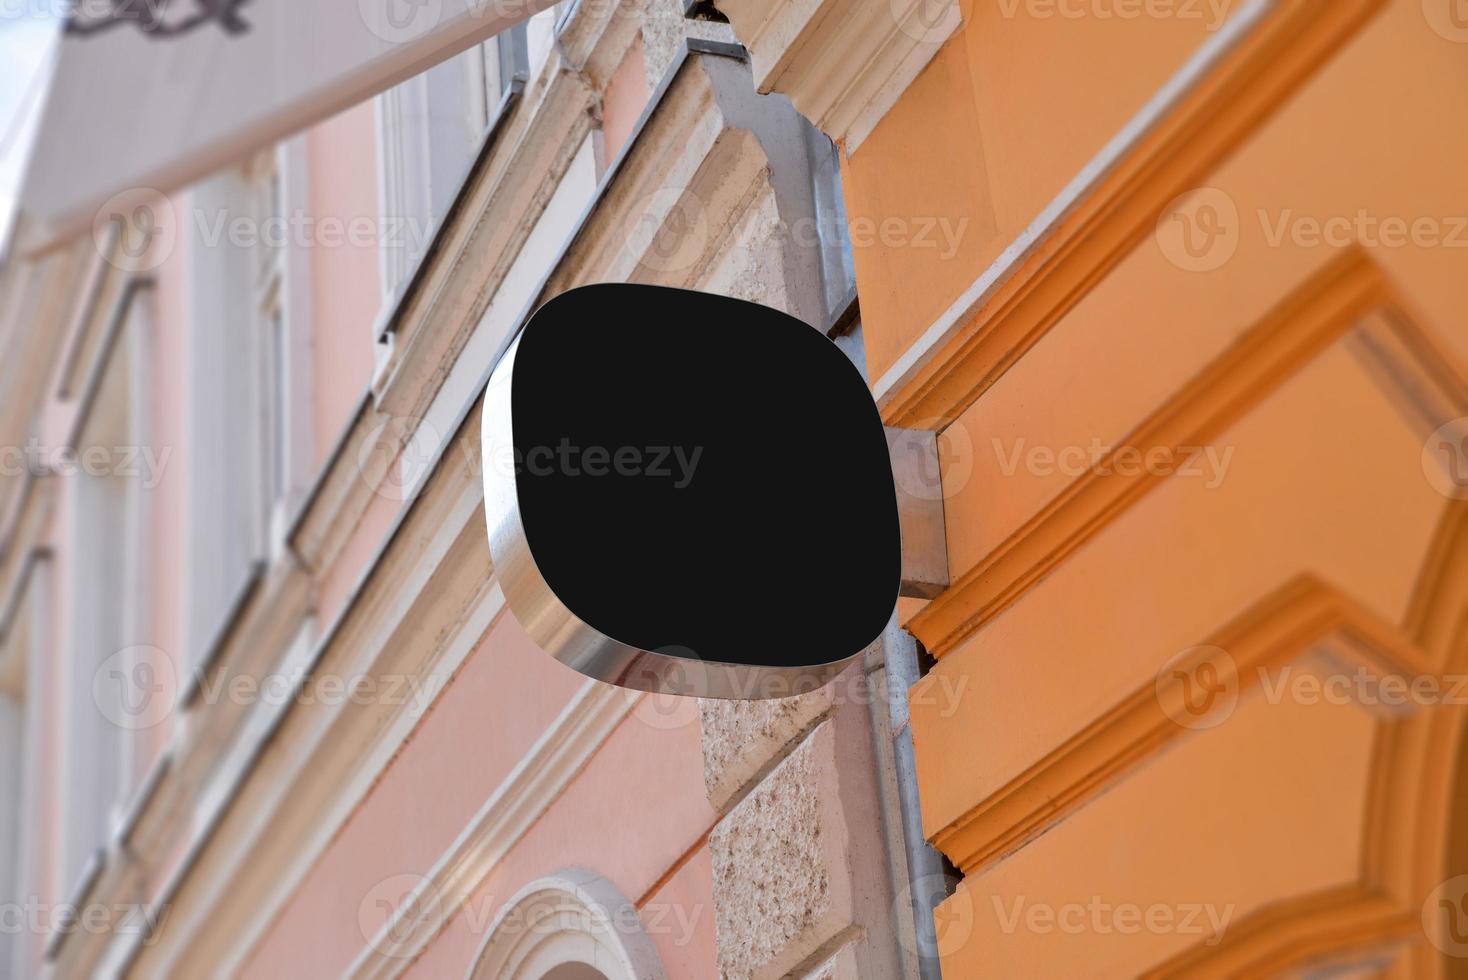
(158, 93)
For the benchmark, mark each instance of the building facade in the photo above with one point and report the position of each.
(265, 713)
(1195, 344)
(1180, 287)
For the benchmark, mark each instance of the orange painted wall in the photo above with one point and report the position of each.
(1172, 665)
(1002, 119)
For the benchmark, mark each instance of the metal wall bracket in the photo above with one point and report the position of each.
(919, 481)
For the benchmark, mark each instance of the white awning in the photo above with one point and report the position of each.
(157, 93)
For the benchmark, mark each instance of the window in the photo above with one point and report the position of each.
(540, 33)
(430, 127)
(272, 247)
(248, 426)
(103, 498)
(575, 971)
(570, 926)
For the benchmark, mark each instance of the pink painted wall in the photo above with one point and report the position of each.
(338, 581)
(625, 97)
(345, 282)
(636, 813)
(633, 814)
(166, 408)
(690, 954)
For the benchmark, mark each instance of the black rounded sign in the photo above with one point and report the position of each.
(689, 493)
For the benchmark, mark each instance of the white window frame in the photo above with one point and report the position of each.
(282, 320)
(248, 428)
(99, 755)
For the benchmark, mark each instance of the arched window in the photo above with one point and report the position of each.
(574, 925)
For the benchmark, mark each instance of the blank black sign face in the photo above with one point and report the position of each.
(703, 477)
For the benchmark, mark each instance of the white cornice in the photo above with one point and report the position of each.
(843, 65)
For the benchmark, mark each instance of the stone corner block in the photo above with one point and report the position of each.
(782, 884)
(741, 737)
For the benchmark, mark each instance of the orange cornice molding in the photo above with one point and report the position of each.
(1271, 352)
(1316, 929)
(1111, 218)
(1444, 574)
(1302, 618)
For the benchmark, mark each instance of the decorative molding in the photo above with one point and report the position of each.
(434, 315)
(252, 798)
(1417, 811)
(843, 65)
(426, 605)
(556, 758)
(1351, 925)
(1421, 376)
(1289, 336)
(1303, 618)
(472, 249)
(1417, 760)
(1443, 571)
(1233, 84)
(576, 916)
